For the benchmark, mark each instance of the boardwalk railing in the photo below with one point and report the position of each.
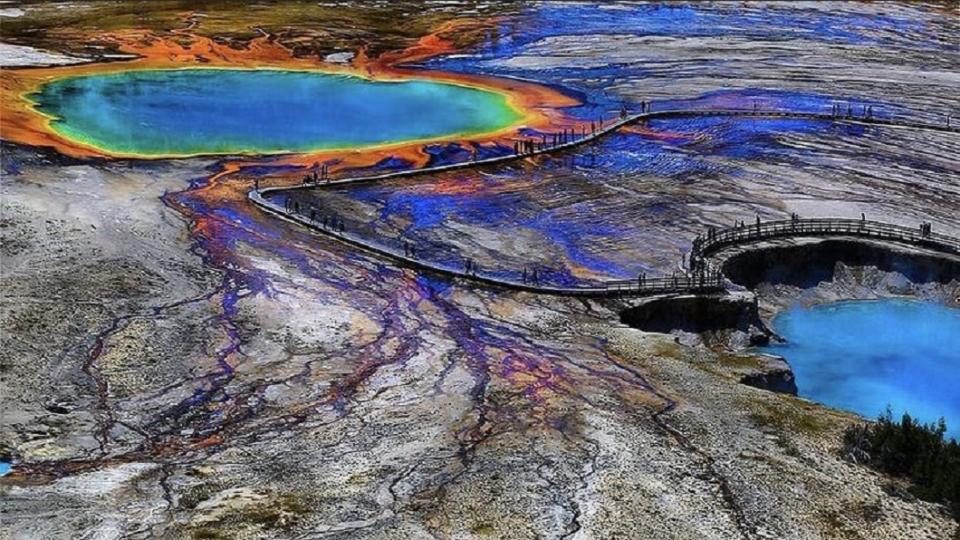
(547, 144)
(716, 239)
(702, 277)
(700, 282)
(697, 282)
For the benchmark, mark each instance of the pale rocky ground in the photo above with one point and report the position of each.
(341, 397)
(18, 55)
(595, 455)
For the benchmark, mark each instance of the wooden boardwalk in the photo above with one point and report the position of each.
(715, 240)
(703, 278)
(603, 130)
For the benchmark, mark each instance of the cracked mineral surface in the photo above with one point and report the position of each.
(176, 363)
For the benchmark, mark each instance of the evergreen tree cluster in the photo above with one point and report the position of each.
(910, 449)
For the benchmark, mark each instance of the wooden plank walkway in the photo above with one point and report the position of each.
(703, 279)
(606, 129)
(717, 239)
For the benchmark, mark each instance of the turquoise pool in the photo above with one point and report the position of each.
(865, 355)
(226, 111)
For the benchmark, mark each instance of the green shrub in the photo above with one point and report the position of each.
(913, 450)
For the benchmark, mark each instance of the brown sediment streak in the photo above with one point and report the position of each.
(20, 122)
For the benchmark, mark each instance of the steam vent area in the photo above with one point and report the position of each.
(479, 270)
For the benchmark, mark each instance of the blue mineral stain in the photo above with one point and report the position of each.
(863, 356)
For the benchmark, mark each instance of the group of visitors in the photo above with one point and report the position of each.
(470, 267)
(529, 146)
(531, 277)
(320, 172)
(328, 222)
(837, 111)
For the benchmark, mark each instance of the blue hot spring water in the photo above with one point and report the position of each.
(224, 111)
(864, 356)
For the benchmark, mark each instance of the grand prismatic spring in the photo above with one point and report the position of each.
(525, 270)
(199, 111)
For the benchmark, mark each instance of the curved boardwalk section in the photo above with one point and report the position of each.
(701, 277)
(922, 236)
(573, 140)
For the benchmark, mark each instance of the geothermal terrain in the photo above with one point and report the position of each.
(178, 364)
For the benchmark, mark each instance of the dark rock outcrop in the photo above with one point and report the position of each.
(693, 313)
(805, 265)
(773, 374)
